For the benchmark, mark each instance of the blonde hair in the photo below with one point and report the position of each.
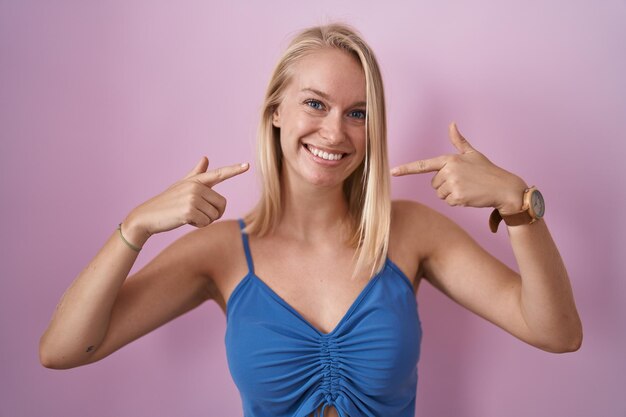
(367, 189)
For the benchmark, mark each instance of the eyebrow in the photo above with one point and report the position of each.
(327, 97)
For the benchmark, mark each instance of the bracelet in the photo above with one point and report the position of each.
(130, 245)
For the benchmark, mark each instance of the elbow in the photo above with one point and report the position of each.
(575, 343)
(51, 359)
(48, 362)
(47, 358)
(568, 344)
(572, 346)
(576, 339)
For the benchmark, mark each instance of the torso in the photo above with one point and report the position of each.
(315, 282)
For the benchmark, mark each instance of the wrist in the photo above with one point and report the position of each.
(533, 209)
(513, 198)
(133, 232)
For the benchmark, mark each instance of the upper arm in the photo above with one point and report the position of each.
(174, 282)
(460, 268)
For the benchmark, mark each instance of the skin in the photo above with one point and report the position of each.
(104, 310)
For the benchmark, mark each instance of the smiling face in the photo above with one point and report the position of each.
(322, 119)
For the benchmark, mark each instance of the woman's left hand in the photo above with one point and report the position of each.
(468, 178)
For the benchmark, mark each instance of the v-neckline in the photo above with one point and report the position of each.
(353, 306)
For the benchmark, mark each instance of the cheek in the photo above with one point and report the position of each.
(305, 124)
(359, 145)
(359, 142)
(295, 128)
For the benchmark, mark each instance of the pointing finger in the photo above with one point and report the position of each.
(199, 168)
(459, 142)
(420, 167)
(216, 176)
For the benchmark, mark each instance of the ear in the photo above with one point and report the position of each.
(276, 118)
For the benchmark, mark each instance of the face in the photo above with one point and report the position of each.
(322, 119)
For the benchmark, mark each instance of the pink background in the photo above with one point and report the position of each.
(105, 104)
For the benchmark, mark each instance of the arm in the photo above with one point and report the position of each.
(536, 305)
(546, 298)
(103, 310)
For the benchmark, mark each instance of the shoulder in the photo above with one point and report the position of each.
(216, 252)
(209, 250)
(412, 215)
(409, 240)
(420, 226)
(221, 230)
(420, 235)
(215, 241)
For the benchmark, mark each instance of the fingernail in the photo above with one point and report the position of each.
(244, 165)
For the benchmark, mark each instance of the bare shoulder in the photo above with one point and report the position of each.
(215, 244)
(417, 231)
(409, 213)
(417, 222)
(219, 251)
(407, 243)
(217, 247)
(414, 221)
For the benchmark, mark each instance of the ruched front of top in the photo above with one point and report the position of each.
(283, 366)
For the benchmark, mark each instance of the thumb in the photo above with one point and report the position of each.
(459, 142)
(199, 168)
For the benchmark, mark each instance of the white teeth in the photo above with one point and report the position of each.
(324, 155)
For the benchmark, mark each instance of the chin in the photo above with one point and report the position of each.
(324, 181)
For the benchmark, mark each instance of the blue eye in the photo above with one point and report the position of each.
(359, 114)
(314, 103)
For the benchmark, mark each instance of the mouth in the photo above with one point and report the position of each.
(324, 155)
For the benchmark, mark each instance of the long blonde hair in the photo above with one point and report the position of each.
(367, 189)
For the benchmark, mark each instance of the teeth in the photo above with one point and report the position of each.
(325, 155)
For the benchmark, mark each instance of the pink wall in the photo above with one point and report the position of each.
(104, 105)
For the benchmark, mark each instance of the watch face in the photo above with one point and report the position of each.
(537, 204)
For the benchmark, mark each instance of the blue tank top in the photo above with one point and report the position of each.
(284, 366)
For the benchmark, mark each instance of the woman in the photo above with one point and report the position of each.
(324, 319)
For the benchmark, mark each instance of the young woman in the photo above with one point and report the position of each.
(318, 282)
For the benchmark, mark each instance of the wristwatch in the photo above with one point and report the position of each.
(533, 209)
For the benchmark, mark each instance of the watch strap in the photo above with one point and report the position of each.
(516, 219)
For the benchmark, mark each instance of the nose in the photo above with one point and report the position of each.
(333, 129)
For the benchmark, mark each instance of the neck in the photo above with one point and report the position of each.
(313, 213)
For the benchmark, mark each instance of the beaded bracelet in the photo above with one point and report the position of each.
(130, 245)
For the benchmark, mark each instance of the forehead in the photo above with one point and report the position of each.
(332, 71)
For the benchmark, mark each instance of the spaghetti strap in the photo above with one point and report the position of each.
(246, 246)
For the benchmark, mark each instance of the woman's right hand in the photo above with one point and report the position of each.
(190, 200)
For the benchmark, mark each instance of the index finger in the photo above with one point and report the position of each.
(421, 166)
(213, 177)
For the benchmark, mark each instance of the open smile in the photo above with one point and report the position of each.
(323, 155)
